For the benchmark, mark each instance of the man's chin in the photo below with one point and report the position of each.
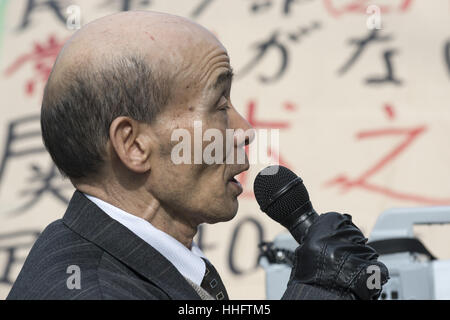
(227, 215)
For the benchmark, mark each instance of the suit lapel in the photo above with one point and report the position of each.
(89, 221)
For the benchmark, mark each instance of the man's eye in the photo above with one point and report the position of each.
(223, 104)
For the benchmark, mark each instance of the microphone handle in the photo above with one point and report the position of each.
(300, 225)
(300, 228)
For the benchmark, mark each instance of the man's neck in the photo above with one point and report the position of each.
(146, 207)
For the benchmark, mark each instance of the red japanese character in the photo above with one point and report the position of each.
(42, 57)
(363, 180)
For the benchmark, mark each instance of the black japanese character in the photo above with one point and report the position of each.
(361, 44)
(48, 181)
(24, 140)
(263, 48)
(275, 43)
(54, 5)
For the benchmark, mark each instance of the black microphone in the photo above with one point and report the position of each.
(282, 195)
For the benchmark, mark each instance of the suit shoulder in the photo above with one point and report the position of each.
(50, 270)
(64, 265)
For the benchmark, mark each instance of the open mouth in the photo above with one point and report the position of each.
(236, 184)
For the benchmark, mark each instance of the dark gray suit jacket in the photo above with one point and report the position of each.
(113, 262)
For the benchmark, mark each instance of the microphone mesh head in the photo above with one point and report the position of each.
(269, 181)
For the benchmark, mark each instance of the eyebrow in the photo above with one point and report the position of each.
(224, 77)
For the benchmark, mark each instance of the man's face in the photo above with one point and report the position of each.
(202, 192)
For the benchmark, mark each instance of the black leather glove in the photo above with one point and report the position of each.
(334, 256)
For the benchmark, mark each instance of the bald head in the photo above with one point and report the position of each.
(126, 64)
(167, 42)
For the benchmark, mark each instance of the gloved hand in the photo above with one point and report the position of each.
(334, 256)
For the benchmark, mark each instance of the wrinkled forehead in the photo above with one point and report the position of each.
(183, 48)
(193, 47)
(171, 45)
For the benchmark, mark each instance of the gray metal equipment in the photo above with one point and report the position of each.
(414, 272)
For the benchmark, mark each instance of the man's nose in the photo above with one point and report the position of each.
(244, 132)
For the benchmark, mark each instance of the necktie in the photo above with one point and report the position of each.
(212, 283)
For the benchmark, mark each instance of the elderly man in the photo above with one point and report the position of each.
(119, 88)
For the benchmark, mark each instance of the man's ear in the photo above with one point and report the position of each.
(131, 143)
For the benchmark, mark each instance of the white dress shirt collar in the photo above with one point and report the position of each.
(188, 262)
